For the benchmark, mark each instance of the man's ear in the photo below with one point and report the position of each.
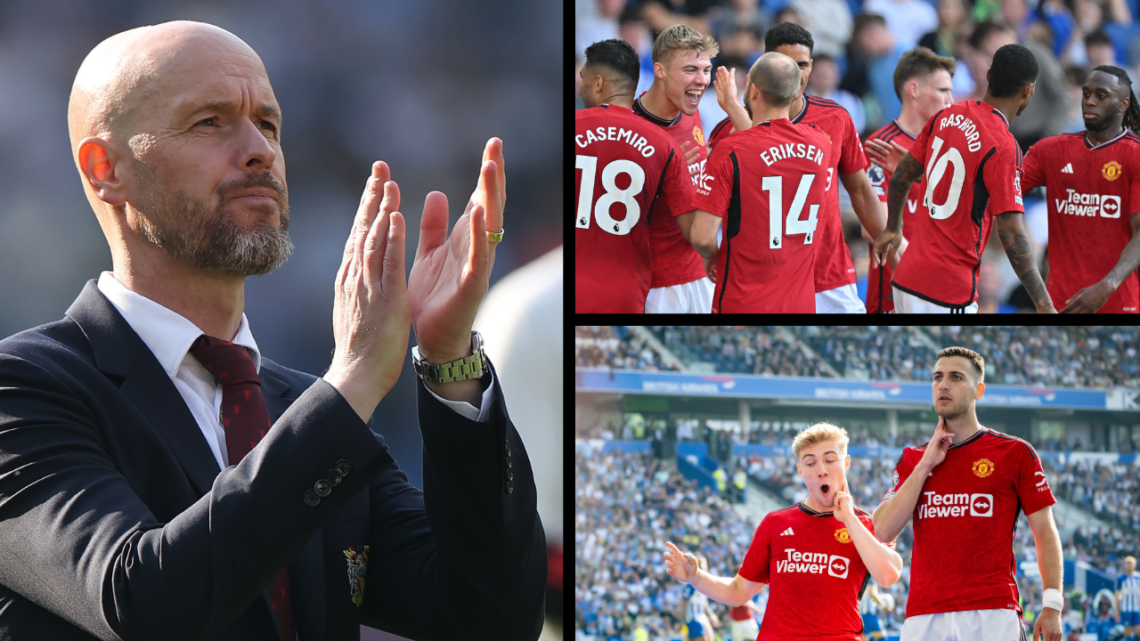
(981, 390)
(98, 164)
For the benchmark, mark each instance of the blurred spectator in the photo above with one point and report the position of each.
(872, 59)
(828, 21)
(877, 353)
(727, 19)
(787, 14)
(1085, 18)
(745, 41)
(1015, 14)
(1074, 83)
(662, 14)
(597, 20)
(1045, 115)
(987, 38)
(953, 26)
(751, 350)
(616, 348)
(907, 20)
(824, 82)
(633, 29)
(1100, 50)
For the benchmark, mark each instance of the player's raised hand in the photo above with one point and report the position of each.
(938, 446)
(371, 307)
(1048, 626)
(885, 155)
(725, 86)
(680, 565)
(844, 505)
(451, 273)
(692, 151)
(1089, 299)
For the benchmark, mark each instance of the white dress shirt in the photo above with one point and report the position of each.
(169, 336)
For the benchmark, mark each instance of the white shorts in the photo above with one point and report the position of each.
(686, 298)
(967, 625)
(745, 630)
(910, 304)
(841, 300)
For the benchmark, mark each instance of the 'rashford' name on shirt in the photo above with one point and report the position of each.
(620, 135)
(969, 129)
(792, 150)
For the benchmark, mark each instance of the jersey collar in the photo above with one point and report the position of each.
(977, 435)
(998, 112)
(803, 111)
(1123, 133)
(810, 512)
(903, 129)
(660, 122)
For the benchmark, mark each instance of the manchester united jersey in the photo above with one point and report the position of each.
(628, 173)
(879, 293)
(675, 261)
(964, 522)
(833, 266)
(769, 185)
(815, 575)
(972, 173)
(1092, 191)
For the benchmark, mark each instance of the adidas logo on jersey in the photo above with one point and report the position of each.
(787, 532)
(1068, 169)
(814, 563)
(940, 505)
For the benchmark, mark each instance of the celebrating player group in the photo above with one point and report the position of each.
(749, 220)
(962, 491)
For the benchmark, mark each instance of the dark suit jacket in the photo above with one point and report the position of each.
(116, 523)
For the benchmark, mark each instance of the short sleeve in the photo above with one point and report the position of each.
(918, 149)
(1032, 171)
(1032, 485)
(1003, 180)
(677, 189)
(720, 132)
(879, 181)
(902, 472)
(715, 193)
(756, 562)
(853, 158)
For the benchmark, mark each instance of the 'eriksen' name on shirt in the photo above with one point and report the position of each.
(969, 129)
(792, 150)
(616, 133)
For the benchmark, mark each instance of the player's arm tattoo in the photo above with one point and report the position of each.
(1129, 258)
(1011, 231)
(906, 173)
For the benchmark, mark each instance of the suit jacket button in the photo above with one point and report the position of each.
(510, 487)
(311, 498)
(333, 477)
(343, 467)
(322, 488)
(510, 476)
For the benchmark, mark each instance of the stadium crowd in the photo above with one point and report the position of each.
(1043, 356)
(626, 506)
(616, 348)
(1108, 490)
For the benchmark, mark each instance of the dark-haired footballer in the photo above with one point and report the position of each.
(1094, 199)
(627, 171)
(972, 168)
(834, 276)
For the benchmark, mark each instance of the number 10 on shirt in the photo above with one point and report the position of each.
(774, 186)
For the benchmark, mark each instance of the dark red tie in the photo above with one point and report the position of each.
(245, 419)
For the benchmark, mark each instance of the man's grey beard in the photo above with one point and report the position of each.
(211, 241)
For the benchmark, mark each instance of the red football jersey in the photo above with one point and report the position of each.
(815, 575)
(719, 132)
(675, 261)
(973, 173)
(964, 522)
(1092, 194)
(833, 266)
(768, 184)
(880, 296)
(628, 173)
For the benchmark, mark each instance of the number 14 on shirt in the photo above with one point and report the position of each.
(774, 186)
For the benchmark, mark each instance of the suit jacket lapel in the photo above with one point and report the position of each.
(121, 353)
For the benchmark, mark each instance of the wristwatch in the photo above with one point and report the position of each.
(463, 369)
